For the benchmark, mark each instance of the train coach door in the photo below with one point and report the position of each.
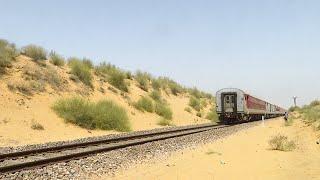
(229, 103)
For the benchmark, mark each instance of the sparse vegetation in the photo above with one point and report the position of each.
(310, 113)
(156, 84)
(8, 53)
(21, 86)
(281, 143)
(114, 76)
(143, 79)
(156, 95)
(144, 104)
(163, 110)
(195, 103)
(165, 122)
(212, 116)
(199, 114)
(56, 59)
(36, 126)
(42, 75)
(37, 53)
(104, 114)
(81, 70)
(87, 62)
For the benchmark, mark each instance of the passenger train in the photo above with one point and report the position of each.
(234, 105)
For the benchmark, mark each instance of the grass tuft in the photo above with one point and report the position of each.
(56, 59)
(115, 76)
(8, 52)
(165, 122)
(105, 114)
(37, 126)
(156, 95)
(37, 53)
(163, 110)
(144, 104)
(281, 143)
(81, 70)
(212, 116)
(195, 103)
(143, 79)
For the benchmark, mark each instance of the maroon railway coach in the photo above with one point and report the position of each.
(236, 105)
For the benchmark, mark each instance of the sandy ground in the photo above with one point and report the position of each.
(244, 155)
(18, 112)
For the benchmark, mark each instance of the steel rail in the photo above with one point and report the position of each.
(104, 146)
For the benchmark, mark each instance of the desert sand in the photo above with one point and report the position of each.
(243, 155)
(18, 111)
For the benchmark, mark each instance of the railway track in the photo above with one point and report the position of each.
(27, 159)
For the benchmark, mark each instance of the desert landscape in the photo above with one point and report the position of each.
(29, 89)
(159, 90)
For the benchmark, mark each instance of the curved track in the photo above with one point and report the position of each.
(17, 161)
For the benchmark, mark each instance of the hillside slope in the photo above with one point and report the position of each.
(28, 89)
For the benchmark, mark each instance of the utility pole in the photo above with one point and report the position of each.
(295, 100)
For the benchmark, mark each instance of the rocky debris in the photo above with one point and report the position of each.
(108, 163)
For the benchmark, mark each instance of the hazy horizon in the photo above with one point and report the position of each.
(269, 49)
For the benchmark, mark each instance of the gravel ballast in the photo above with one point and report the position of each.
(108, 163)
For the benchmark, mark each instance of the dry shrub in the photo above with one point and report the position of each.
(281, 143)
(143, 80)
(8, 53)
(37, 126)
(37, 53)
(56, 59)
(44, 75)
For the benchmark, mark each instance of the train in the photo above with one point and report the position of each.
(234, 105)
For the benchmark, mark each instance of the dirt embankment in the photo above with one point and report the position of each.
(243, 155)
(19, 111)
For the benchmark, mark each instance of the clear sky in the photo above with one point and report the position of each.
(270, 49)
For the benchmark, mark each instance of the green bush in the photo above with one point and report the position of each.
(311, 113)
(104, 114)
(115, 76)
(81, 70)
(195, 103)
(56, 59)
(37, 53)
(144, 104)
(156, 95)
(156, 84)
(199, 114)
(87, 62)
(165, 122)
(163, 110)
(281, 143)
(117, 79)
(212, 116)
(143, 79)
(108, 115)
(8, 53)
(175, 87)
